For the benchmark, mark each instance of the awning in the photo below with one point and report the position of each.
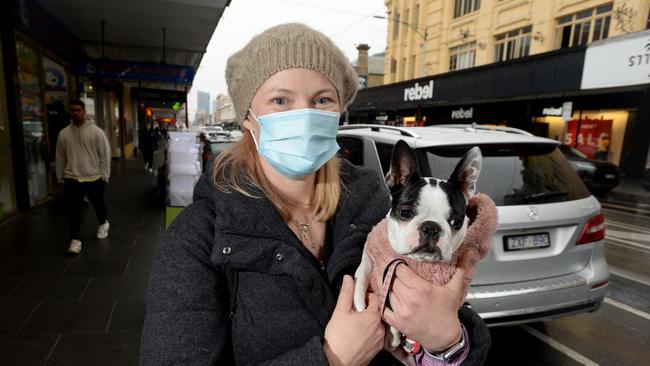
(133, 30)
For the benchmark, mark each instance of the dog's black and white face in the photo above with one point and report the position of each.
(427, 221)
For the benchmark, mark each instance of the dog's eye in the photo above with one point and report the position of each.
(455, 223)
(405, 214)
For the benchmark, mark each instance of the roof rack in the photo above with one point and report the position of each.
(475, 127)
(375, 128)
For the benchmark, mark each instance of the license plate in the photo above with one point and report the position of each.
(610, 176)
(530, 241)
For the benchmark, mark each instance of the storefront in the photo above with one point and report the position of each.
(603, 113)
(7, 190)
(34, 105)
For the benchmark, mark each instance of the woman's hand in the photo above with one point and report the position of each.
(351, 337)
(425, 312)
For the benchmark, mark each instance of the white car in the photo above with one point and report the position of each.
(218, 134)
(547, 257)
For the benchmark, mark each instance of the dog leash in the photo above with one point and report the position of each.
(410, 346)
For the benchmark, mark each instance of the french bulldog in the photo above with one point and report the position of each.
(427, 222)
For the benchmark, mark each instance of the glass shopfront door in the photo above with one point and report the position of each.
(33, 127)
(7, 189)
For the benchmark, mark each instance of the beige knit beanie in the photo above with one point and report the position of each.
(283, 47)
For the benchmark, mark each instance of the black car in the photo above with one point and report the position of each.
(599, 176)
(646, 179)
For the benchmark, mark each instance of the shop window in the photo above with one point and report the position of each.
(462, 7)
(462, 57)
(416, 16)
(412, 68)
(34, 128)
(584, 26)
(396, 23)
(407, 19)
(7, 188)
(513, 44)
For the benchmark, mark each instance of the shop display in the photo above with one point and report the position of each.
(184, 167)
(31, 110)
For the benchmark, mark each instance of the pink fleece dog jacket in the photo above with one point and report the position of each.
(483, 216)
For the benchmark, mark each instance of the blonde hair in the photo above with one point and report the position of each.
(238, 166)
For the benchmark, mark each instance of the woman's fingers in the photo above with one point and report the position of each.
(346, 294)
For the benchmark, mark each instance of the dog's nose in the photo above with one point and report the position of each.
(430, 229)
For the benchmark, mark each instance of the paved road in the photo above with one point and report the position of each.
(618, 333)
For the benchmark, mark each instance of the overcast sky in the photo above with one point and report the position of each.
(347, 22)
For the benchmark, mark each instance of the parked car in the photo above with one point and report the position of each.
(541, 201)
(599, 176)
(218, 134)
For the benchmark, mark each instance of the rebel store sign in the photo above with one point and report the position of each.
(419, 92)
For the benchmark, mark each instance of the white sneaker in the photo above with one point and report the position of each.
(102, 230)
(75, 247)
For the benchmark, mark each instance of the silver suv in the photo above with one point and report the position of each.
(547, 258)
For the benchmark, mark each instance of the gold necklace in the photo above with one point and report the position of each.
(305, 232)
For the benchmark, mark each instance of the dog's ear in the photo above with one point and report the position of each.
(403, 165)
(466, 172)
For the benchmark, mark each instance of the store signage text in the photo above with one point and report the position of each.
(640, 59)
(567, 111)
(552, 111)
(136, 71)
(462, 113)
(418, 92)
(158, 95)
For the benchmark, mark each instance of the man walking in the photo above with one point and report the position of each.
(83, 166)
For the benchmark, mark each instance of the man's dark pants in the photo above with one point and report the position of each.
(74, 193)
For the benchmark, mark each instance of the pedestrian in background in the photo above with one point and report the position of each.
(147, 144)
(206, 150)
(603, 147)
(83, 167)
(251, 271)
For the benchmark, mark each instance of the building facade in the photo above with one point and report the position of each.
(203, 108)
(224, 110)
(429, 37)
(579, 95)
(369, 68)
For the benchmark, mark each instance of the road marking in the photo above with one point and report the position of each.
(627, 235)
(628, 244)
(627, 308)
(614, 223)
(629, 275)
(558, 346)
(617, 207)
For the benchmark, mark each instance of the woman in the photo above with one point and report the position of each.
(256, 270)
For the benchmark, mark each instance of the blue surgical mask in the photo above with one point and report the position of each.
(298, 142)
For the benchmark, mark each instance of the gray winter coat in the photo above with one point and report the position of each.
(232, 284)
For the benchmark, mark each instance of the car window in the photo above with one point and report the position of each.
(571, 151)
(351, 149)
(385, 151)
(512, 174)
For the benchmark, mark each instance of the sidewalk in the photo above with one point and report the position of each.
(84, 310)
